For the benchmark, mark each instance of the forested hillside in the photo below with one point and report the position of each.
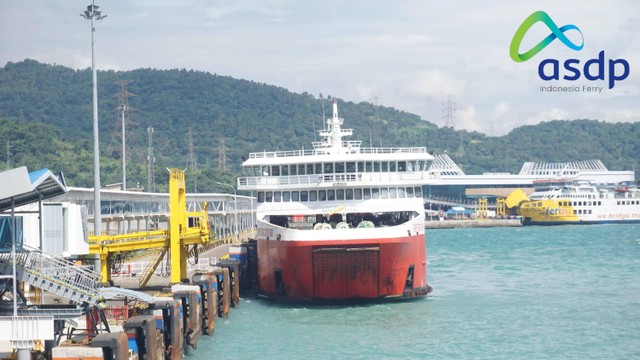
(46, 121)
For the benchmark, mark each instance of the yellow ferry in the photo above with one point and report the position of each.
(556, 202)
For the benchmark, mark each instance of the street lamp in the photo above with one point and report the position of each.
(235, 208)
(92, 13)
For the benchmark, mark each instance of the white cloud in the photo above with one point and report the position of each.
(435, 82)
(466, 119)
(622, 115)
(501, 109)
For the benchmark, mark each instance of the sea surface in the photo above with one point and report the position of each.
(564, 292)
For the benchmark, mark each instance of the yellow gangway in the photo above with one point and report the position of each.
(185, 228)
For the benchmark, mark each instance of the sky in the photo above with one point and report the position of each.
(410, 55)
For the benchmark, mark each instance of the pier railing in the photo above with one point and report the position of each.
(53, 274)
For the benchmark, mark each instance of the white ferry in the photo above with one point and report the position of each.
(340, 222)
(556, 202)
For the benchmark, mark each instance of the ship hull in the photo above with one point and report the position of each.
(343, 270)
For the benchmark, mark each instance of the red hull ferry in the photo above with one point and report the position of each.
(340, 222)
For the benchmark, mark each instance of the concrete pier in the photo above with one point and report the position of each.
(484, 223)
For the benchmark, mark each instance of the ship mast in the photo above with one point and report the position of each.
(332, 137)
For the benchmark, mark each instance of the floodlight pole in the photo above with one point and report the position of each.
(92, 13)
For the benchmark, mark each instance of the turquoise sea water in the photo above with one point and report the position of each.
(566, 292)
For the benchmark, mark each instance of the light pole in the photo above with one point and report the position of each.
(235, 208)
(92, 13)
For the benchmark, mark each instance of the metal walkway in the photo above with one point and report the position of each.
(53, 274)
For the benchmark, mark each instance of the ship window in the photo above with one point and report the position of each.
(351, 167)
(375, 193)
(269, 196)
(402, 166)
(339, 167)
(376, 166)
(304, 196)
(348, 194)
(384, 193)
(328, 168)
(286, 196)
(322, 195)
(313, 195)
(275, 170)
(309, 169)
(393, 193)
(401, 193)
(265, 171)
(277, 196)
(261, 197)
(357, 194)
(368, 166)
(340, 194)
(360, 166)
(409, 192)
(318, 167)
(418, 192)
(599, 203)
(294, 170)
(575, 212)
(295, 196)
(589, 211)
(331, 195)
(285, 170)
(392, 166)
(618, 202)
(301, 169)
(385, 166)
(367, 194)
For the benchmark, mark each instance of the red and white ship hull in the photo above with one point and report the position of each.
(342, 270)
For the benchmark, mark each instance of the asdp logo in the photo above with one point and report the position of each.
(549, 69)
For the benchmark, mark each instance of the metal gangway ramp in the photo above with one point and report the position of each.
(53, 274)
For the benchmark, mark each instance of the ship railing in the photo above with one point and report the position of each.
(346, 144)
(335, 178)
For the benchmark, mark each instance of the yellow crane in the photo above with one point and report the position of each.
(185, 228)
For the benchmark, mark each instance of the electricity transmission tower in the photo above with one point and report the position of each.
(151, 163)
(123, 110)
(449, 116)
(192, 164)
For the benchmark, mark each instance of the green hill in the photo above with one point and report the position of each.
(46, 118)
